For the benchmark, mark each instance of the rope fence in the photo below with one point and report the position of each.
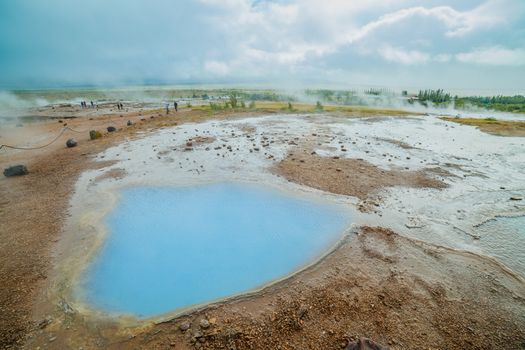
(64, 129)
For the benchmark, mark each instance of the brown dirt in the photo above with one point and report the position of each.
(351, 177)
(380, 285)
(494, 127)
(199, 140)
(116, 173)
(398, 143)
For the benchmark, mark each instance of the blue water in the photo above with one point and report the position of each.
(169, 248)
(504, 239)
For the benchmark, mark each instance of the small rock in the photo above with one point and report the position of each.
(44, 323)
(71, 143)
(15, 170)
(189, 143)
(111, 129)
(184, 326)
(204, 323)
(197, 334)
(94, 134)
(130, 123)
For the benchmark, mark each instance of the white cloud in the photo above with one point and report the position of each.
(225, 40)
(292, 33)
(216, 68)
(494, 56)
(406, 57)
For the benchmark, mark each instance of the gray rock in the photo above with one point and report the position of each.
(111, 129)
(197, 334)
(15, 170)
(184, 326)
(204, 323)
(130, 123)
(71, 143)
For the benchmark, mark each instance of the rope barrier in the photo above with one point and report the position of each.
(47, 144)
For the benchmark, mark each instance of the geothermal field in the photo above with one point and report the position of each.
(262, 175)
(266, 225)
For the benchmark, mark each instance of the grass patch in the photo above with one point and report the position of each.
(492, 125)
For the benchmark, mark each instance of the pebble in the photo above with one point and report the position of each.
(204, 323)
(184, 326)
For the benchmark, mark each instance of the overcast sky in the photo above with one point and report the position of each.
(467, 44)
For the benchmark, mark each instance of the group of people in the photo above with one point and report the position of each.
(175, 106)
(120, 106)
(83, 104)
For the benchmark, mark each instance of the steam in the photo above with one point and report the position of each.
(16, 104)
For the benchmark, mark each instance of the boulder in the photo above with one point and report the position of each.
(94, 134)
(71, 143)
(15, 170)
(111, 129)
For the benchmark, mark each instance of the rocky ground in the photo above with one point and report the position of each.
(378, 283)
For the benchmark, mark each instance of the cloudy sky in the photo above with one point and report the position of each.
(466, 44)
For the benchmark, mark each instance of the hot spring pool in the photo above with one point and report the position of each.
(170, 248)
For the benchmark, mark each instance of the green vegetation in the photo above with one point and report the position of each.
(515, 104)
(233, 100)
(435, 96)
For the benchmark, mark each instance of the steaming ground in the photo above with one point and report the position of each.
(482, 172)
(421, 278)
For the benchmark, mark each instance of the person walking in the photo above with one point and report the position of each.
(167, 108)
(175, 105)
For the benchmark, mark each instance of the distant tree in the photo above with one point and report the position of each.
(233, 100)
